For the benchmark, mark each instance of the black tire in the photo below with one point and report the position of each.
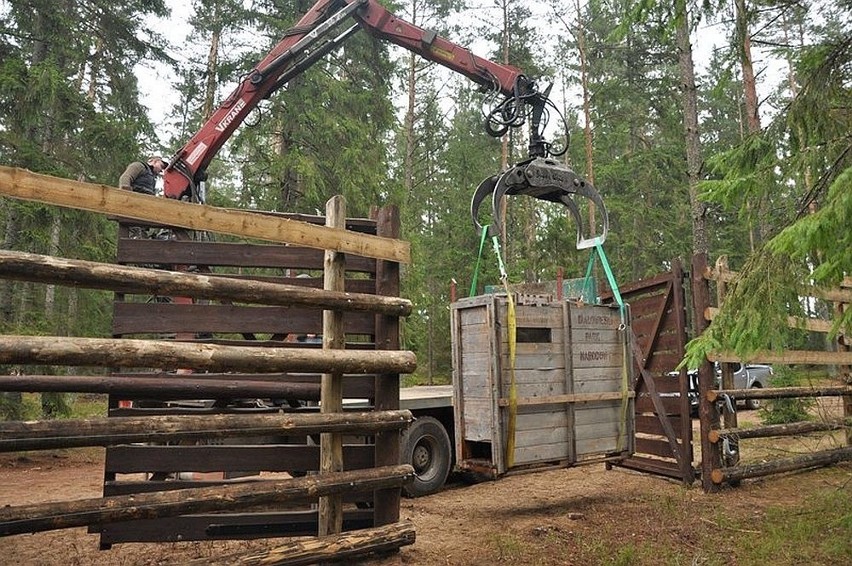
(753, 404)
(425, 445)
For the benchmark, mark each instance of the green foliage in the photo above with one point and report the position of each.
(781, 411)
(808, 153)
(826, 234)
(754, 315)
(17, 407)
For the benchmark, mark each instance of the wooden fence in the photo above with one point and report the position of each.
(720, 433)
(153, 437)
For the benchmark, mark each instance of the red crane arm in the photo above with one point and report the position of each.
(292, 56)
(379, 22)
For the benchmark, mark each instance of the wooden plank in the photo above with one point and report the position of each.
(601, 415)
(655, 447)
(568, 398)
(543, 361)
(230, 254)
(208, 526)
(671, 406)
(23, 184)
(143, 318)
(541, 453)
(594, 318)
(471, 316)
(598, 374)
(529, 438)
(666, 468)
(662, 363)
(650, 424)
(536, 418)
(597, 356)
(592, 336)
(612, 385)
(537, 389)
(477, 419)
(134, 459)
(596, 446)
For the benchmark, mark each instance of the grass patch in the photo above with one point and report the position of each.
(508, 548)
(818, 531)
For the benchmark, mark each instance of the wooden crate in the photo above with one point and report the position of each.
(571, 384)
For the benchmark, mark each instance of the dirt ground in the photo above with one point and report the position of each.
(576, 516)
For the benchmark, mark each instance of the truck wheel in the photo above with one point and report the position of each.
(753, 404)
(425, 445)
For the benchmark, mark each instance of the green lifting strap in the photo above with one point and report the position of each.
(622, 429)
(478, 261)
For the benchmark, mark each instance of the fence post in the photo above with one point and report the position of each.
(711, 455)
(729, 417)
(387, 501)
(844, 344)
(331, 389)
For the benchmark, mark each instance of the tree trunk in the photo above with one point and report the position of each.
(587, 112)
(690, 124)
(212, 71)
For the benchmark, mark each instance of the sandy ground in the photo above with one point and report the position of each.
(583, 515)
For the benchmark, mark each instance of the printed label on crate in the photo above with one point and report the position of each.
(594, 318)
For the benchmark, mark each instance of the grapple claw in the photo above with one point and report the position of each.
(544, 179)
(484, 189)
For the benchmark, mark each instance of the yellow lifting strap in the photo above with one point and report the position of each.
(512, 332)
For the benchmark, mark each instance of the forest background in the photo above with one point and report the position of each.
(685, 162)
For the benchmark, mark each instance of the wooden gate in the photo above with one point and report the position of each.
(663, 423)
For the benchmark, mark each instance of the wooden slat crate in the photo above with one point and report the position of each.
(571, 384)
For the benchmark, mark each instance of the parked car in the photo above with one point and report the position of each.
(746, 376)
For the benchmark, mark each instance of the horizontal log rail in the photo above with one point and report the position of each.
(167, 354)
(811, 324)
(789, 357)
(84, 512)
(780, 392)
(838, 295)
(746, 471)
(22, 184)
(170, 386)
(317, 550)
(788, 429)
(137, 280)
(74, 433)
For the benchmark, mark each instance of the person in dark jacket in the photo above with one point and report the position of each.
(142, 177)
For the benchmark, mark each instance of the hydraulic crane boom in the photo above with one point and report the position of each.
(308, 41)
